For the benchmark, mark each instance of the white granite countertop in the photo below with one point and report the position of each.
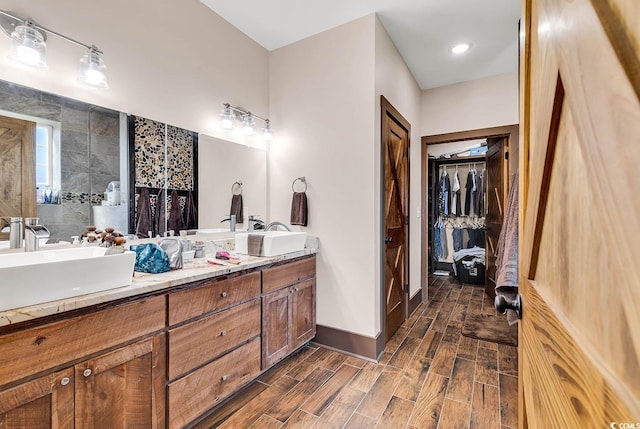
(142, 283)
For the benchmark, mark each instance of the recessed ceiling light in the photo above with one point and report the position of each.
(461, 48)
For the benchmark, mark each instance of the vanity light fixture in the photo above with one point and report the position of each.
(231, 114)
(266, 131)
(227, 118)
(248, 124)
(28, 46)
(460, 48)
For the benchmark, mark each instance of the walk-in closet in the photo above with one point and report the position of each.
(458, 205)
(467, 186)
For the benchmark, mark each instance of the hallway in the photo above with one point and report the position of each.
(430, 376)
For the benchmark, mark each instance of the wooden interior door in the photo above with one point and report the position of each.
(395, 142)
(496, 175)
(18, 174)
(579, 277)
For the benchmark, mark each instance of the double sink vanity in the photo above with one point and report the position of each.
(159, 353)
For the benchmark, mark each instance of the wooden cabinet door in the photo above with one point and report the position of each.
(304, 312)
(46, 402)
(277, 338)
(123, 388)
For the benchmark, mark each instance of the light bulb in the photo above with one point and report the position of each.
(28, 46)
(461, 48)
(93, 77)
(227, 123)
(28, 55)
(266, 134)
(248, 125)
(92, 70)
(227, 117)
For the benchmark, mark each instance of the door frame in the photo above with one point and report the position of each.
(509, 131)
(387, 109)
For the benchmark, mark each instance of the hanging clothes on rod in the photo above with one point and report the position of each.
(456, 205)
(470, 193)
(444, 194)
(480, 194)
(440, 236)
(457, 238)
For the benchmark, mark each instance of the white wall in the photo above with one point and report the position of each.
(322, 98)
(174, 62)
(482, 103)
(325, 95)
(220, 164)
(397, 84)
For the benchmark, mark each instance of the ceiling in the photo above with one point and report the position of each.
(422, 30)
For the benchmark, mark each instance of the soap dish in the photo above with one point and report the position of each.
(188, 256)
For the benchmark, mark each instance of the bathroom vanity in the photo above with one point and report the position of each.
(159, 353)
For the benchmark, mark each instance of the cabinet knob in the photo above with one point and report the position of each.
(86, 372)
(224, 378)
(290, 290)
(296, 289)
(223, 333)
(65, 381)
(223, 294)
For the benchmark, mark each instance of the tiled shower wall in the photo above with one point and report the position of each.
(90, 153)
(164, 157)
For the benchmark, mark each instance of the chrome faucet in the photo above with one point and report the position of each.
(274, 224)
(33, 233)
(254, 223)
(15, 230)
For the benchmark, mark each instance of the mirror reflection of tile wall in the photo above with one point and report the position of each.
(89, 151)
(165, 159)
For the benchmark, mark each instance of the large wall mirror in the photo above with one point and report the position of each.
(85, 150)
(226, 169)
(75, 155)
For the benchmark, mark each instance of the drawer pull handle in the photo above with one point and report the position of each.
(87, 372)
(296, 289)
(223, 294)
(223, 333)
(65, 381)
(224, 378)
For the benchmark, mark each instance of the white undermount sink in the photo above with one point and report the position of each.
(36, 277)
(274, 243)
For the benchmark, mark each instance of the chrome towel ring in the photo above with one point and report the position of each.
(301, 179)
(237, 186)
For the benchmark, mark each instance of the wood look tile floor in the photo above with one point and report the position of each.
(430, 376)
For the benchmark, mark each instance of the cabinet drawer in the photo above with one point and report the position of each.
(213, 295)
(194, 394)
(286, 274)
(195, 343)
(33, 350)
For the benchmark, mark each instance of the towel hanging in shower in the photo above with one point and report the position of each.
(175, 214)
(144, 219)
(190, 212)
(161, 213)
